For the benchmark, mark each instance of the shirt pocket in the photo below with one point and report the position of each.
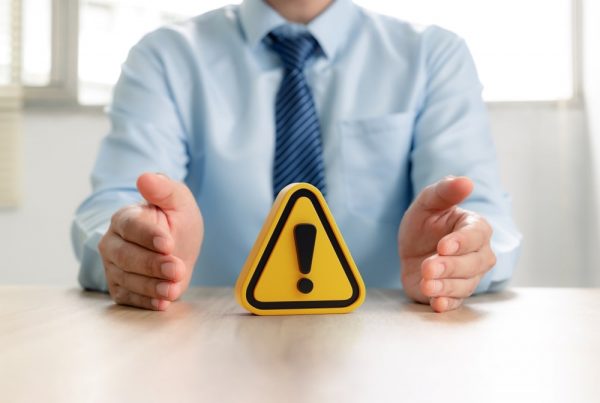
(375, 157)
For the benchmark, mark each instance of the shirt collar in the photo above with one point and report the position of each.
(331, 28)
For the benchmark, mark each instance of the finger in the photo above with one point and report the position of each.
(410, 284)
(444, 194)
(452, 287)
(135, 259)
(163, 192)
(142, 285)
(473, 233)
(465, 266)
(135, 226)
(123, 296)
(444, 304)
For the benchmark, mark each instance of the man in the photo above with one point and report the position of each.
(239, 102)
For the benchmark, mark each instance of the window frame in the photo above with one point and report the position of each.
(63, 84)
(62, 90)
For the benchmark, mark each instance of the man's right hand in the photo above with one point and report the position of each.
(150, 249)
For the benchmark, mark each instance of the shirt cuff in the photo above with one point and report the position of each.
(507, 250)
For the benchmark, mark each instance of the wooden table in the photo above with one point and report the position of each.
(529, 345)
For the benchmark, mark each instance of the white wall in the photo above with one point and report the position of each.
(591, 85)
(545, 166)
(59, 150)
(544, 162)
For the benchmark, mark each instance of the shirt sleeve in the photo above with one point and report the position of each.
(452, 137)
(146, 135)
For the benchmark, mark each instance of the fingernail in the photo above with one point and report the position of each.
(437, 270)
(452, 247)
(160, 243)
(168, 269)
(163, 289)
(155, 303)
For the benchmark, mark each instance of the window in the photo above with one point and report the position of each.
(523, 49)
(37, 36)
(109, 28)
(49, 70)
(7, 40)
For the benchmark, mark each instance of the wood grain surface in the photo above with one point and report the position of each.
(522, 345)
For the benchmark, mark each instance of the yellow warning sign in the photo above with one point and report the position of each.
(300, 263)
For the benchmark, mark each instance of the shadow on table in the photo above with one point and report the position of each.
(472, 310)
(391, 301)
(90, 295)
(491, 297)
(140, 318)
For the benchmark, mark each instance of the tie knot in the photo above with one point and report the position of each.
(294, 51)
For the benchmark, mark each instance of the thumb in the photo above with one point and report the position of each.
(444, 194)
(163, 192)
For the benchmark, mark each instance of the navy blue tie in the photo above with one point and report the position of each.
(298, 150)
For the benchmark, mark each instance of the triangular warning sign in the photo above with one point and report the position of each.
(300, 263)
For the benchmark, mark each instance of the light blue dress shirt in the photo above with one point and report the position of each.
(400, 107)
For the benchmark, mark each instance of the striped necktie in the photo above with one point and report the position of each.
(298, 150)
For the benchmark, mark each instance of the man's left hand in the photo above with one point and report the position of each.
(444, 249)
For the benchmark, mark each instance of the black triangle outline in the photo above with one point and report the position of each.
(271, 245)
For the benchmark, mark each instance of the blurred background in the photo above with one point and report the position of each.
(539, 61)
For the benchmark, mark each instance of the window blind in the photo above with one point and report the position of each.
(10, 101)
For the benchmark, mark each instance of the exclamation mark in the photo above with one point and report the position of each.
(304, 235)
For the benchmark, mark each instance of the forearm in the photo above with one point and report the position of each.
(147, 135)
(452, 137)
